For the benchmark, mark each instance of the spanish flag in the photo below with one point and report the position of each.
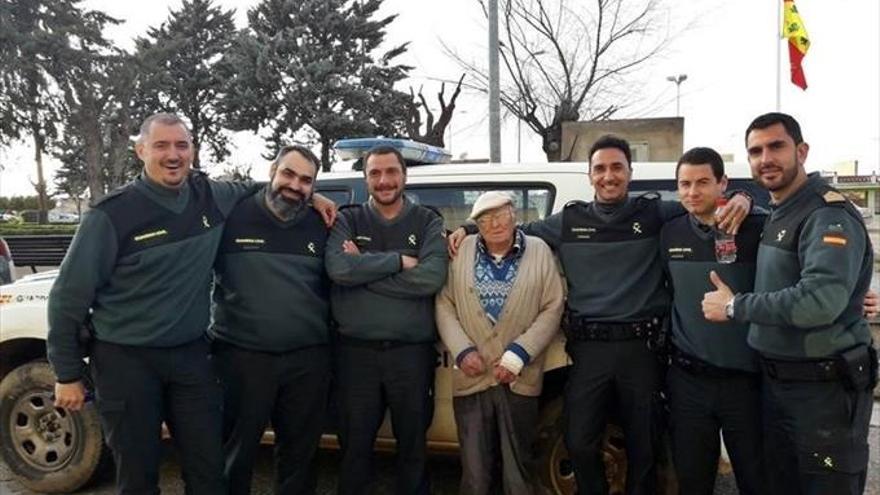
(798, 42)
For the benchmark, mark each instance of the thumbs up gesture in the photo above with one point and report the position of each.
(715, 302)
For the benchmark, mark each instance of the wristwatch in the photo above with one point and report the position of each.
(728, 308)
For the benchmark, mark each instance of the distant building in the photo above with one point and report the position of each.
(848, 167)
(66, 204)
(862, 190)
(651, 140)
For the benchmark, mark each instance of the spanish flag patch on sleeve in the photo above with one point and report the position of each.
(834, 239)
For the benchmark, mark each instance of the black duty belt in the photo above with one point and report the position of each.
(372, 344)
(825, 370)
(577, 328)
(856, 367)
(697, 366)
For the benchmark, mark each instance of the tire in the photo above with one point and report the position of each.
(48, 449)
(555, 471)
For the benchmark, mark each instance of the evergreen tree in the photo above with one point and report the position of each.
(71, 178)
(182, 55)
(38, 39)
(87, 96)
(318, 65)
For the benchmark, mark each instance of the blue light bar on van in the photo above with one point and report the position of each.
(412, 151)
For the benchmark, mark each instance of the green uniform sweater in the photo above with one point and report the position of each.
(271, 292)
(141, 263)
(610, 255)
(372, 298)
(815, 264)
(688, 250)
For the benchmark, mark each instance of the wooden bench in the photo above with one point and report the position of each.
(38, 250)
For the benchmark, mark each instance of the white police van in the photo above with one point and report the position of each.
(50, 450)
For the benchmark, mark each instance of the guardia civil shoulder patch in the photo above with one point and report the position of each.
(833, 197)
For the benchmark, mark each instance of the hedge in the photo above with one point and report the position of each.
(36, 229)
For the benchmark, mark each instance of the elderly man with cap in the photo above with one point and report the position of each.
(499, 310)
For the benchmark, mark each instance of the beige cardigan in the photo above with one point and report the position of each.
(530, 316)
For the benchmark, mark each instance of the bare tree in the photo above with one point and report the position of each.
(568, 61)
(434, 130)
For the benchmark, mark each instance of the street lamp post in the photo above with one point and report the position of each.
(494, 86)
(677, 80)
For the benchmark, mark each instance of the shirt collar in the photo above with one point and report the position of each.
(516, 251)
(159, 189)
(792, 202)
(696, 222)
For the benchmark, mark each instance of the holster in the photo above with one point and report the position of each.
(858, 367)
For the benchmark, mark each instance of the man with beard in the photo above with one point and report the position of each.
(814, 267)
(387, 259)
(617, 300)
(138, 273)
(271, 326)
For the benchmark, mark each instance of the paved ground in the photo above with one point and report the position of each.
(444, 473)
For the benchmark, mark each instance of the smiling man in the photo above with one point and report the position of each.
(617, 301)
(713, 384)
(814, 267)
(271, 326)
(139, 270)
(387, 259)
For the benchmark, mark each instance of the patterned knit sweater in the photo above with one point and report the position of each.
(493, 278)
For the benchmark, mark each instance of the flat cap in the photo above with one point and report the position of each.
(489, 201)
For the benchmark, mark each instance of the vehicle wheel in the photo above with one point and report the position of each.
(556, 472)
(48, 449)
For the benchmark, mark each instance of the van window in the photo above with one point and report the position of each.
(454, 202)
(666, 187)
(669, 191)
(340, 196)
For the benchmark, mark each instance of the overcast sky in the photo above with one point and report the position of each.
(727, 49)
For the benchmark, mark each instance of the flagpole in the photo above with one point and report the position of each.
(776, 37)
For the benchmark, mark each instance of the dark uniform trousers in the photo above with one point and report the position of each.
(816, 436)
(289, 389)
(373, 376)
(700, 406)
(626, 372)
(140, 387)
